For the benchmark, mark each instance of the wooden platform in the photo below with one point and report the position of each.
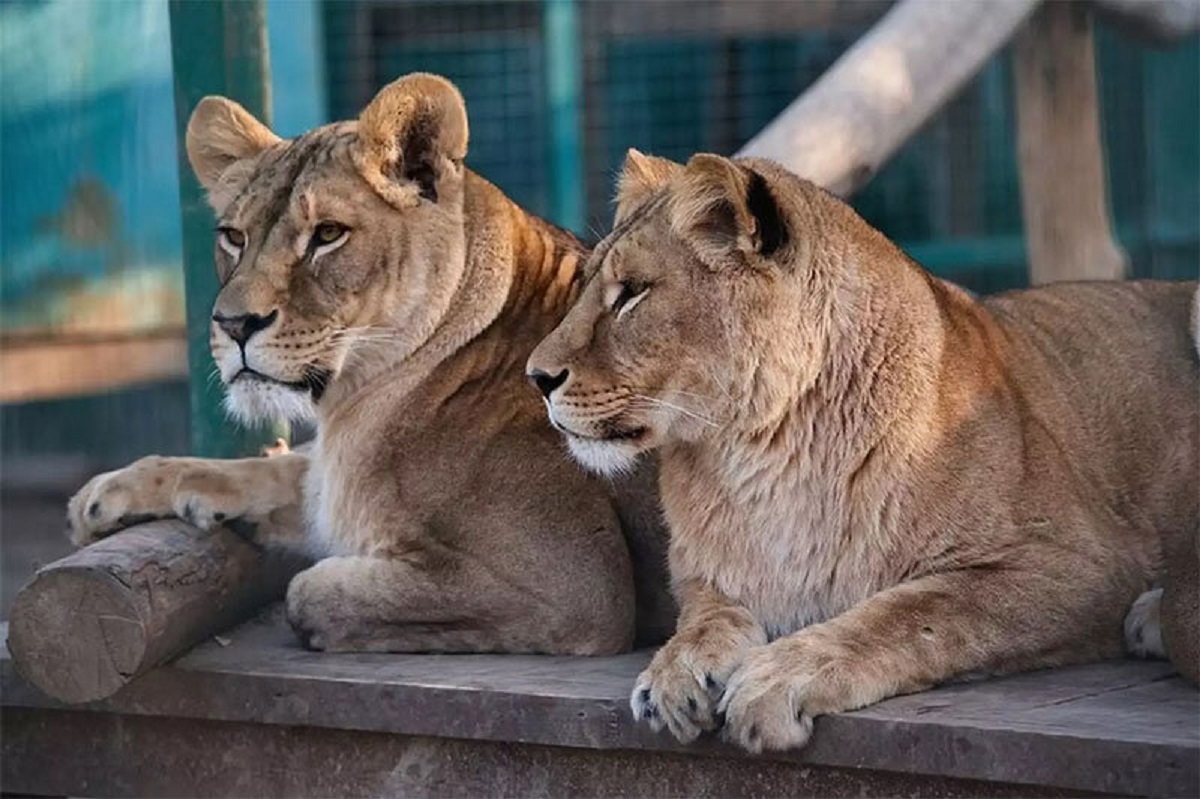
(253, 714)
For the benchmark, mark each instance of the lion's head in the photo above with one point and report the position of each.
(675, 335)
(347, 238)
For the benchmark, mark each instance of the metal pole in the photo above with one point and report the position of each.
(217, 47)
(563, 53)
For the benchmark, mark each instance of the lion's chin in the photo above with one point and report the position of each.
(256, 402)
(608, 457)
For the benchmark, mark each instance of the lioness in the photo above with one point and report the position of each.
(873, 481)
(372, 282)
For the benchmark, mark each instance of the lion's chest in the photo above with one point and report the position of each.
(786, 548)
(368, 490)
(400, 469)
(332, 504)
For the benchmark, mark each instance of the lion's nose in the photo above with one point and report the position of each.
(546, 382)
(241, 327)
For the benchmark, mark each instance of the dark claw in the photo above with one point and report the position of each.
(709, 682)
(303, 631)
(720, 718)
(188, 513)
(752, 733)
(94, 510)
(692, 705)
(130, 519)
(649, 709)
(218, 517)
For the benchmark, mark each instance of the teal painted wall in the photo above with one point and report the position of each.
(89, 200)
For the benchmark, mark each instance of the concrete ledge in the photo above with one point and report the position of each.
(1123, 727)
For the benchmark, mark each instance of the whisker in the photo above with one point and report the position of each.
(690, 394)
(654, 401)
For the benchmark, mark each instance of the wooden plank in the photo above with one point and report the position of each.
(96, 754)
(1008, 700)
(54, 368)
(1064, 195)
(1000, 730)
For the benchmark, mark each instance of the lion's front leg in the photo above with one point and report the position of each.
(912, 637)
(681, 686)
(265, 492)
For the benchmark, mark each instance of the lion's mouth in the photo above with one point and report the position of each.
(315, 382)
(610, 433)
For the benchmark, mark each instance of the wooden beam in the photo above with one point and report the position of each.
(52, 368)
(841, 131)
(88, 624)
(1124, 727)
(79, 753)
(1063, 192)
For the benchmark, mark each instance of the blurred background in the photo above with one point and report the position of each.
(93, 369)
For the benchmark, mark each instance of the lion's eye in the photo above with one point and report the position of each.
(625, 295)
(231, 240)
(328, 233)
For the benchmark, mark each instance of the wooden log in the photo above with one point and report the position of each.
(883, 89)
(1063, 193)
(90, 623)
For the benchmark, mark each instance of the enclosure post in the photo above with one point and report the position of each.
(563, 53)
(217, 47)
(1064, 198)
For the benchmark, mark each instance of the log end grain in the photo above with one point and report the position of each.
(76, 634)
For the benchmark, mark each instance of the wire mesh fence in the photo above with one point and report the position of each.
(674, 78)
(558, 90)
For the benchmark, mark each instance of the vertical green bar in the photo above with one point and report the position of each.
(217, 47)
(563, 54)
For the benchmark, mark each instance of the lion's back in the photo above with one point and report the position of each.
(1112, 369)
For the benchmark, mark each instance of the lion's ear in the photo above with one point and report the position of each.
(412, 135)
(641, 176)
(220, 133)
(727, 212)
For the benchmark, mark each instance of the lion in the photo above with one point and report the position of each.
(374, 284)
(874, 482)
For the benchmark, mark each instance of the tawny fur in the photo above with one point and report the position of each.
(873, 481)
(448, 514)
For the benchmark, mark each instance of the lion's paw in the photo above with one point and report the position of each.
(777, 691)
(1143, 626)
(152, 488)
(118, 499)
(314, 605)
(681, 686)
